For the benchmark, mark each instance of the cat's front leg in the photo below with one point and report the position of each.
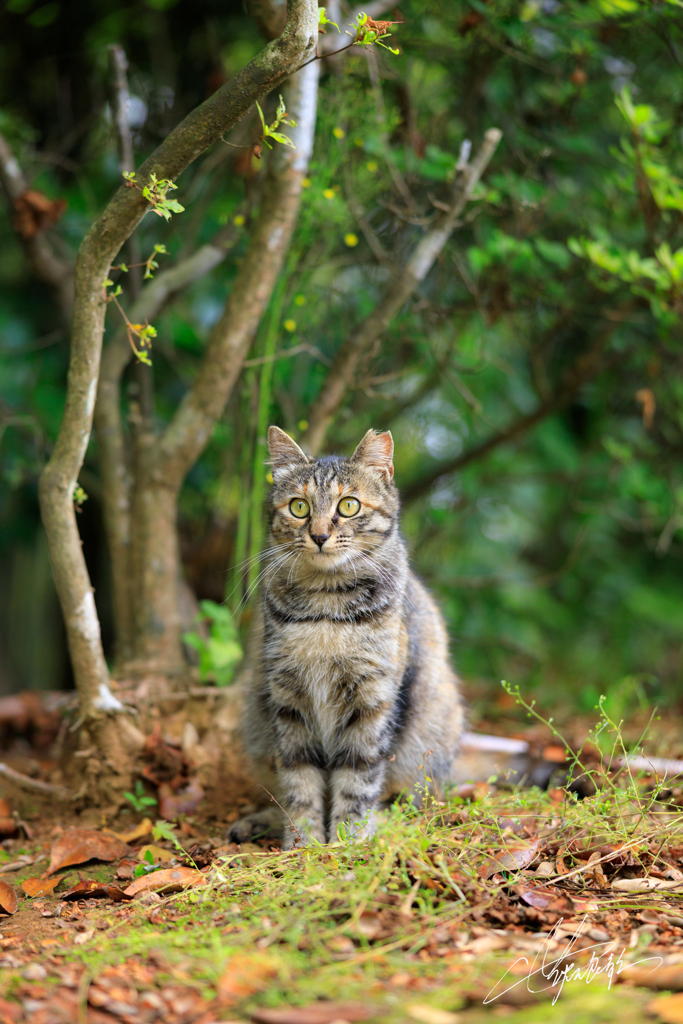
(300, 764)
(357, 774)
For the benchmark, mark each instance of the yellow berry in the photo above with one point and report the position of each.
(329, 193)
(289, 325)
(371, 166)
(299, 300)
(239, 220)
(303, 424)
(338, 133)
(306, 182)
(351, 239)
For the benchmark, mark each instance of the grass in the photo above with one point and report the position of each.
(394, 922)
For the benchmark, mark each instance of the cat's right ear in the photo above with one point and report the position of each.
(284, 452)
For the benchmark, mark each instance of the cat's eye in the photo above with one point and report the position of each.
(299, 508)
(348, 507)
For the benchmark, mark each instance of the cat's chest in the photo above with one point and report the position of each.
(321, 649)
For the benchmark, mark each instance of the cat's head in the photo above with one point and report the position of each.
(331, 509)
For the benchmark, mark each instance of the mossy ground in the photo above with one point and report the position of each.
(411, 920)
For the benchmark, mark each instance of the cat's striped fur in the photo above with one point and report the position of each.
(349, 680)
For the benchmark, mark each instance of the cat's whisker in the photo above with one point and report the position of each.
(248, 563)
(274, 565)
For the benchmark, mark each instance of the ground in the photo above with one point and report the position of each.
(496, 901)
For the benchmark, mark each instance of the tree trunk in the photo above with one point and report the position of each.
(145, 537)
(154, 580)
(101, 713)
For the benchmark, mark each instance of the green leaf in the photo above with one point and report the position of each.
(282, 138)
(163, 830)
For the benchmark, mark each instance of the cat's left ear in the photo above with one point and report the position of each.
(377, 452)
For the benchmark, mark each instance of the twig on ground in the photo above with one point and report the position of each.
(26, 782)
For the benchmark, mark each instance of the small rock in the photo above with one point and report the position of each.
(34, 972)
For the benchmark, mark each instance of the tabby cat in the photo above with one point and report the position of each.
(348, 676)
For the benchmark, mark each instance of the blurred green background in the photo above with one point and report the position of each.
(557, 556)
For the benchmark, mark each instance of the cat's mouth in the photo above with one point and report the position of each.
(328, 559)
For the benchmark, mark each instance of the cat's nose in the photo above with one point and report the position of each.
(320, 538)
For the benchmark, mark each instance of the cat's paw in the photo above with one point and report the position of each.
(354, 831)
(260, 825)
(297, 836)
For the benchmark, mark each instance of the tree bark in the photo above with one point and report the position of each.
(154, 566)
(342, 373)
(109, 430)
(203, 126)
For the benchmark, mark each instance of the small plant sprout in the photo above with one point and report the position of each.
(370, 32)
(164, 830)
(139, 799)
(79, 496)
(270, 131)
(143, 332)
(155, 192)
(150, 264)
(324, 20)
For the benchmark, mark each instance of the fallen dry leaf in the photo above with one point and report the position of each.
(316, 1013)
(539, 896)
(595, 870)
(5, 811)
(369, 924)
(517, 857)
(88, 889)
(513, 858)
(79, 845)
(82, 937)
(41, 886)
(244, 975)
(185, 801)
(585, 906)
(666, 976)
(8, 898)
(156, 851)
(126, 869)
(556, 753)
(669, 1009)
(143, 829)
(167, 880)
(8, 826)
(9, 1011)
(486, 944)
(431, 1014)
(560, 866)
(644, 884)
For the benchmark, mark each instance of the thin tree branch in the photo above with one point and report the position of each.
(202, 127)
(108, 423)
(585, 369)
(120, 100)
(400, 288)
(190, 429)
(55, 271)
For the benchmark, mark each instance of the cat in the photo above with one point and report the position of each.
(348, 679)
